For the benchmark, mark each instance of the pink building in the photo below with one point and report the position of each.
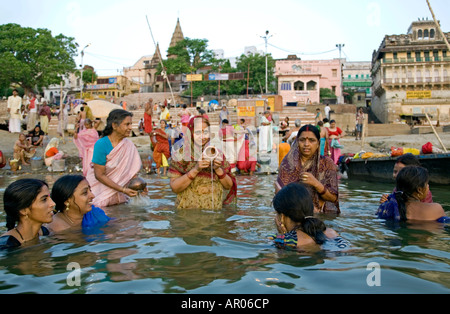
(300, 81)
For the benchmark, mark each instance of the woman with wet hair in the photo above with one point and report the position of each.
(406, 202)
(73, 198)
(28, 206)
(297, 227)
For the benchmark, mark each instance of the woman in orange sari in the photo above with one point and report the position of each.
(199, 181)
(160, 140)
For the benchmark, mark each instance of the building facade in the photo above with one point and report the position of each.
(357, 79)
(410, 74)
(300, 81)
(112, 87)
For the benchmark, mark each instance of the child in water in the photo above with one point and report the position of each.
(297, 227)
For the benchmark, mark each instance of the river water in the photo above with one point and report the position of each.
(154, 248)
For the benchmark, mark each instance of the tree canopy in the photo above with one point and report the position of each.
(191, 55)
(34, 58)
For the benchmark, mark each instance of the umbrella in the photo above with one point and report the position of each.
(213, 102)
(100, 108)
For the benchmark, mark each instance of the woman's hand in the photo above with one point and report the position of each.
(217, 163)
(129, 192)
(309, 179)
(384, 198)
(281, 228)
(203, 164)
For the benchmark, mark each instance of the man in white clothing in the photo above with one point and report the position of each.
(14, 104)
(327, 111)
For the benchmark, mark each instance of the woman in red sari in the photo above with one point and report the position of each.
(198, 181)
(303, 164)
(160, 140)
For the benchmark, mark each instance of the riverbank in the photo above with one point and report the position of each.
(375, 144)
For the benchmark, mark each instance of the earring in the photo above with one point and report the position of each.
(67, 206)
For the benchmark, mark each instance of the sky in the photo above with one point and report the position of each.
(119, 35)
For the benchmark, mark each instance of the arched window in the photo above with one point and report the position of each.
(432, 33)
(299, 85)
(425, 34)
(311, 85)
(419, 34)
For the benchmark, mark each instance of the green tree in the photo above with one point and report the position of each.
(257, 65)
(33, 58)
(327, 93)
(189, 56)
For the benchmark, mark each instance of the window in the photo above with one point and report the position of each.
(333, 88)
(285, 86)
(349, 77)
(432, 33)
(299, 85)
(425, 34)
(420, 34)
(334, 72)
(418, 56)
(311, 85)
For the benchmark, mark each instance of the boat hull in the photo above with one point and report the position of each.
(380, 169)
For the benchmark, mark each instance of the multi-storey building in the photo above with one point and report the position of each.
(410, 74)
(300, 81)
(356, 77)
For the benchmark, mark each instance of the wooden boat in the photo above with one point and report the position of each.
(380, 169)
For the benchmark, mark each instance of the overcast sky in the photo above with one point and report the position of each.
(119, 34)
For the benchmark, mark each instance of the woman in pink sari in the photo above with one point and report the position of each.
(85, 142)
(115, 162)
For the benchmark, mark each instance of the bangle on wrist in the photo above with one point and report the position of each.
(222, 176)
(324, 191)
(190, 177)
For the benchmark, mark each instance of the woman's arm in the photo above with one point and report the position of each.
(100, 175)
(180, 184)
(224, 179)
(324, 193)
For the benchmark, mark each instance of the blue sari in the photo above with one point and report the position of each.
(94, 219)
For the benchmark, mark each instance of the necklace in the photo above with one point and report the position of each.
(68, 218)
(17, 230)
(21, 236)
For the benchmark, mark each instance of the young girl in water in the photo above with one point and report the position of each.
(28, 206)
(73, 197)
(297, 227)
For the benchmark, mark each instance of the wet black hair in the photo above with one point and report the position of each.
(295, 202)
(408, 160)
(409, 180)
(20, 195)
(63, 189)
